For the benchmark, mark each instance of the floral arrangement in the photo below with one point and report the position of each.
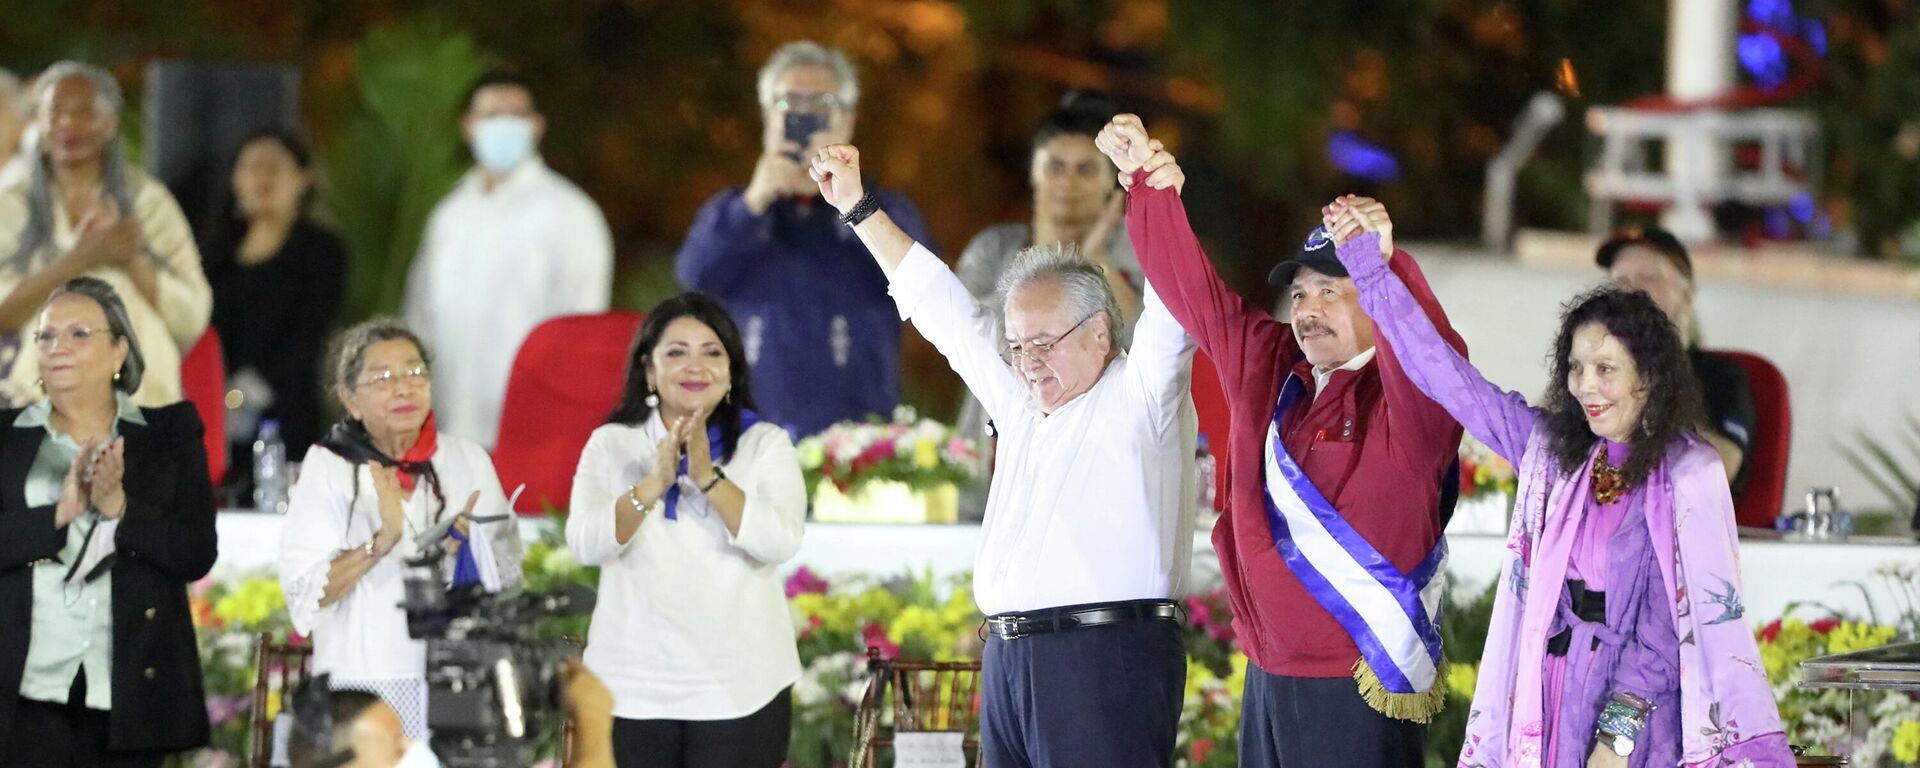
(924, 617)
(914, 617)
(1483, 472)
(228, 617)
(922, 453)
(1820, 718)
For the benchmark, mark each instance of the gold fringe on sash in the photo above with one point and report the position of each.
(1415, 707)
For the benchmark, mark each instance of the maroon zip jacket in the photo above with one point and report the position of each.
(1373, 444)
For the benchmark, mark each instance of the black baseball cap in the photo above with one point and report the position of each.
(1654, 238)
(1317, 253)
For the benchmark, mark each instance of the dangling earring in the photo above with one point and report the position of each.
(729, 397)
(653, 398)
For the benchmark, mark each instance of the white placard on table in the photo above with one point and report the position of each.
(929, 749)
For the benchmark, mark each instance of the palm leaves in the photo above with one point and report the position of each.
(400, 152)
(1891, 466)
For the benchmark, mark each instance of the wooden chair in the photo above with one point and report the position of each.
(928, 696)
(277, 666)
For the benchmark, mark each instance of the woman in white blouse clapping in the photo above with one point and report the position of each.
(689, 503)
(367, 491)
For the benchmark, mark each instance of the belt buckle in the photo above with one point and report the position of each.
(1013, 628)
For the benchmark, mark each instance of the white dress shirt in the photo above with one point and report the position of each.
(691, 621)
(491, 267)
(362, 640)
(1093, 503)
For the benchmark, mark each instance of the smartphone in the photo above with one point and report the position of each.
(800, 128)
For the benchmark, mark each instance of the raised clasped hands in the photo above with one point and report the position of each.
(1348, 216)
(1125, 142)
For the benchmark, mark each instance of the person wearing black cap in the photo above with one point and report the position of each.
(1654, 262)
(1338, 485)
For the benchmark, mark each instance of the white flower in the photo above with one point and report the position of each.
(807, 691)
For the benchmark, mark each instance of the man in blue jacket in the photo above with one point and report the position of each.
(821, 333)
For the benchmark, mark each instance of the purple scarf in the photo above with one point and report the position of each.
(1727, 713)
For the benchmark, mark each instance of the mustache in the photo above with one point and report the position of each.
(1305, 327)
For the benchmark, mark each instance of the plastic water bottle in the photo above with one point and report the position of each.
(270, 469)
(1203, 474)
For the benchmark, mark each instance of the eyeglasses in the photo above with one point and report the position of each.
(1041, 350)
(819, 103)
(385, 381)
(74, 337)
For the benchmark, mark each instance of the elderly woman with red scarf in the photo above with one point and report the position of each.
(367, 492)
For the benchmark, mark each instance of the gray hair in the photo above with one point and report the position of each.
(1083, 285)
(118, 324)
(37, 233)
(349, 355)
(807, 53)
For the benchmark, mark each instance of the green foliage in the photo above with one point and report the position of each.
(1865, 100)
(399, 152)
(1884, 464)
(1463, 633)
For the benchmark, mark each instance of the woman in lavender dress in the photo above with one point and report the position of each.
(1618, 636)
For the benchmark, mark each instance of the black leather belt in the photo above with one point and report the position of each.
(1012, 626)
(1589, 605)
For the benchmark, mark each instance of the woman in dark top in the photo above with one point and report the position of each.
(108, 517)
(278, 278)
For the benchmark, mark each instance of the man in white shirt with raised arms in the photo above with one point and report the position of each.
(512, 246)
(1089, 521)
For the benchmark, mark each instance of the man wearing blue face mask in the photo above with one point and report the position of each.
(513, 245)
(822, 336)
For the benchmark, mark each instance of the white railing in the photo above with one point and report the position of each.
(1696, 170)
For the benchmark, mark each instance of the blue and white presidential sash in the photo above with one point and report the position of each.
(1393, 617)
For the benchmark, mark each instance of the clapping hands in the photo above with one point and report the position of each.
(94, 478)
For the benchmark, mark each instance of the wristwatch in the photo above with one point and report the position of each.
(1621, 745)
(718, 475)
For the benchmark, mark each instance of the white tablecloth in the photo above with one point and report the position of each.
(1775, 573)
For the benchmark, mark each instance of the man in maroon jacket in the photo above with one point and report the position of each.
(1336, 485)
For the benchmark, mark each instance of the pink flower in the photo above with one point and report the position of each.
(805, 582)
(875, 636)
(223, 709)
(1199, 613)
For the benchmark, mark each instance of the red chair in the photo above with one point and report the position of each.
(203, 382)
(566, 379)
(1760, 502)
(1211, 403)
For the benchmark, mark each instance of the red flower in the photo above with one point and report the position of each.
(875, 636)
(1467, 470)
(880, 451)
(1200, 749)
(1770, 631)
(1824, 626)
(805, 582)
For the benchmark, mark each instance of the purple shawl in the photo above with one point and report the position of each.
(1727, 712)
(1728, 716)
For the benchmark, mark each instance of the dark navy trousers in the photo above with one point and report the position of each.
(1106, 696)
(1316, 722)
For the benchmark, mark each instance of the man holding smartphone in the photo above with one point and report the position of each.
(820, 330)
